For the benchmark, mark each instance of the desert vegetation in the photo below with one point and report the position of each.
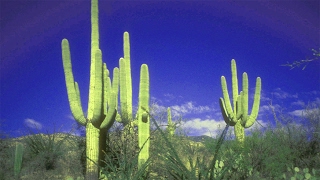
(286, 151)
(122, 144)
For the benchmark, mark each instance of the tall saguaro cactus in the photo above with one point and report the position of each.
(143, 116)
(238, 116)
(126, 82)
(102, 97)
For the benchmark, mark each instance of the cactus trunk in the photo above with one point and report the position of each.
(92, 151)
(143, 116)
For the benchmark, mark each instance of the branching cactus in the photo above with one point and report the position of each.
(238, 116)
(143, 116)
(18, 159)
(102, 101)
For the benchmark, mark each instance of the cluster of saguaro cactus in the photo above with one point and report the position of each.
(142, 117)
(238, 116)
(103, 98)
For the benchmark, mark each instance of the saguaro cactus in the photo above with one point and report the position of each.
(171, 125)
(143, 116)
(125, 82)
(238, 116)
(102, 97)
(18, 159)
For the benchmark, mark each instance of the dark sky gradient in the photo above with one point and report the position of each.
(188, 46)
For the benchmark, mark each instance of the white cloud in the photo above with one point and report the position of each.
(213, 128)
(298, 103)
(297, 112)
(280, 94)
(189, 108)
(269, 108)
(302, 112)
(33, 123)
(200, 127)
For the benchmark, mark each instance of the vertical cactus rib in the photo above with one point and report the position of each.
(143, 117)
(72, 86)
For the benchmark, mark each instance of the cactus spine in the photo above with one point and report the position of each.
(102, 97)
(18, 159)
(238, 116)
(143, 116)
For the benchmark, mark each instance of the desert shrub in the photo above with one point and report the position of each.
(121, 156)
(181, 158)
(50, 155)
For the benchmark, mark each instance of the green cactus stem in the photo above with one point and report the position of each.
(171, 125)
(18, 159)
(143, 116)
(126, 82)
(238, 116)
(102, 101)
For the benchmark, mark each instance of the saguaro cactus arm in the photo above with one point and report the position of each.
(248, 120)
(72, 86)
(111, 96)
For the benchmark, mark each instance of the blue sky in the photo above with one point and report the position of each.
(188, 46)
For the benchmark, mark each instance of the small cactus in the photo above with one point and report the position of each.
(18, 159)
(297, 174)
